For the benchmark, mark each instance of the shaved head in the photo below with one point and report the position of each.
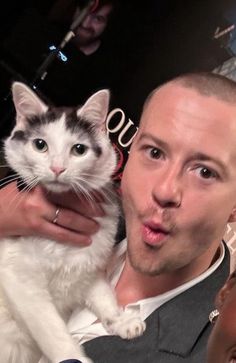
(205, 83)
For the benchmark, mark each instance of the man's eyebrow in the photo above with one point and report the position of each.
(154, 139)
(204, 157)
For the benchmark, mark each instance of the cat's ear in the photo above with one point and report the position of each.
(96, 108)
(26, 102)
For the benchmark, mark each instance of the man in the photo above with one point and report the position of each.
(88, 34)
(179, 193)
(84, 61)
(221, 344)
(88, 66)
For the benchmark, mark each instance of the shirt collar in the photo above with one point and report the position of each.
(146, 306)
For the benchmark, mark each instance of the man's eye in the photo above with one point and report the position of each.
(99, 19)
(206, 173)
(155, 153)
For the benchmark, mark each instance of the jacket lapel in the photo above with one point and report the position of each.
(182, 320)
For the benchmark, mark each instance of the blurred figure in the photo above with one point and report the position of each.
(222, 341)
(86, 60)
(88, 33)
(88, 54)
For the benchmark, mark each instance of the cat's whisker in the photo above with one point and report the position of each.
(108, 194)
(84, 181)
(16, 200)
(98, 177)
(26, 181)
(10, 176)
(77, 192)
(8, 181)
(30, 183)
(22, 193)
(18, 196)
(22, 182)
(79, 189)
(92, 182)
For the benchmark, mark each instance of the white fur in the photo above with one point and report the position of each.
(42, 281)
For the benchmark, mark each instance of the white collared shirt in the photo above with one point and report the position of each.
(83, 324)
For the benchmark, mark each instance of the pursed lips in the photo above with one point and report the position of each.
(153, 233)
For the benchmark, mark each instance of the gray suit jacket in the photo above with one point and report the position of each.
(177, 332)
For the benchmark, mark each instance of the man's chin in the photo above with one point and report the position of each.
(143, 266)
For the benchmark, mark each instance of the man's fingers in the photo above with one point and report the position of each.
(75, 222)
(63, 235)
(34, 214)
(91, 208)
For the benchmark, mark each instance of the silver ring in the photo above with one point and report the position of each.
(213, 316)
(56, 216)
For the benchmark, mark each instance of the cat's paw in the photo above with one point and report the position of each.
(127, 325)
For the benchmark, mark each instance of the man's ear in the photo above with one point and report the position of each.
(225, 290)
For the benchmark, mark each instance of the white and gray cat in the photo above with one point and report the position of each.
(42, 281)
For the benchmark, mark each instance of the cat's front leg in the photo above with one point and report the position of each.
(32, 307)
(101, 299)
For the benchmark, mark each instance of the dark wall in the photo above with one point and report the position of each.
(146, 45)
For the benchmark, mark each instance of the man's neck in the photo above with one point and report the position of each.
(134, 285)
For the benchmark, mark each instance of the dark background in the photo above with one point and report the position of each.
(146, 44)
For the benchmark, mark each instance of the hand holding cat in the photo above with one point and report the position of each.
(32, 213)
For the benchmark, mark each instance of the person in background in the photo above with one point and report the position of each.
(82, 65)
(222, 341)
(87, 64)
(88, 34)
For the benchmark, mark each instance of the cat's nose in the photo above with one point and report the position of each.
(57, 170)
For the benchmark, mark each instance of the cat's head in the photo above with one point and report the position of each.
(60, 148)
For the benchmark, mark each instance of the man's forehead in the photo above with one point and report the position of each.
(105, 9)
(170, 90)
(174, 98)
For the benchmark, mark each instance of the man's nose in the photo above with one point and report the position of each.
(87, 20)
(167, 190)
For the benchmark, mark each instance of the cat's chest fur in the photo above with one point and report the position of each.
(62, 269)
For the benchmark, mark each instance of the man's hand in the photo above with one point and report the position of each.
(33, 212)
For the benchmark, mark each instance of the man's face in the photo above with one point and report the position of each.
(179, 184)
(93, 25)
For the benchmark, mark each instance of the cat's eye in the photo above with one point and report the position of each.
(79, 149)
(40, 145)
